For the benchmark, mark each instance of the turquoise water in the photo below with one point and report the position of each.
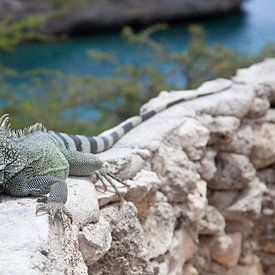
(247, 30)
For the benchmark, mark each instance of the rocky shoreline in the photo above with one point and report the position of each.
(109, 14)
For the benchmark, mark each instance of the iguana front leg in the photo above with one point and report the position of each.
(22, 186)
(82, 164)
(86, 164)
(56, 202)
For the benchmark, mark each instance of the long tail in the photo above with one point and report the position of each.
(107, 139)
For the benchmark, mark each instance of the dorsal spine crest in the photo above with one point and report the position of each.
(6, 127)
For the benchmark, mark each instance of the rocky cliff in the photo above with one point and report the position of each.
(201, 201)
(93, 15)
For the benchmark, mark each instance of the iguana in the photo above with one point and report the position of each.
(36, 161)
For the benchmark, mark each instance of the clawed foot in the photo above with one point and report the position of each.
(54, 209)
(104, 176)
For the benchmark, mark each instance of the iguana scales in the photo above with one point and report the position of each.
(36, 161)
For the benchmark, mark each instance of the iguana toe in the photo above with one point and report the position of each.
(54, 209)
(104, 176)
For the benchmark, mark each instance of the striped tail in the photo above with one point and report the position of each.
(97, 144)
(107, 139)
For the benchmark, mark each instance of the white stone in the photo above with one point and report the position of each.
(212, 223)
(197, 200)
(94, 241)
(259, 107)
(207, 167)
(257, 73)
(177, 173)
(241, 143)
(142, 191)
(183, 248)
(248, 203)
(82, 201)
(226, 249)
(127, 254)
(221, 128)
(159, 229)
(234, 171)
(263, 153)
(193, 138)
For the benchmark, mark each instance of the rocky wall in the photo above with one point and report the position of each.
(201, 196)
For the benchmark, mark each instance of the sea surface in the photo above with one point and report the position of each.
(247, 30)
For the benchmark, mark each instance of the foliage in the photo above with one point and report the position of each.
(14, 32)
(64, 102)
(66, 97)
(199, 62)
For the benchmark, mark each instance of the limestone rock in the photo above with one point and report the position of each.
(182, 249)
(142, 191)
(32, 245)
(195, 205)
(267, 260)
(263, 154)
(202, 259)
(241, 143)
(267, 175)
(110, 195)
(259, 107)
(82, 201)
(207, 168)
(24, 248)
(249, 202)
(269, 117)
(226, 249)
(234, 171)
(165, 97)
(193, 138)
(197, 201)
(257, 73)
(220, 84)
(131, 167)
(241, 98)
(162, 221)
(94, 241)
(222, 199)
(221, 128)
(212, 223)
(254, 269)
(177, 173)
(160, 265)
(244, 226)
(127, 254)
(271, 270)
(125, 165)
(190, 270)
(270, 86)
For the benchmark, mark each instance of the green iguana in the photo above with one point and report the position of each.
(35, 161)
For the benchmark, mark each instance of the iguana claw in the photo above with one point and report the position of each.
(54, 209)
(103, 175)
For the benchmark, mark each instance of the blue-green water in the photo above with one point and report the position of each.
(247, 30)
